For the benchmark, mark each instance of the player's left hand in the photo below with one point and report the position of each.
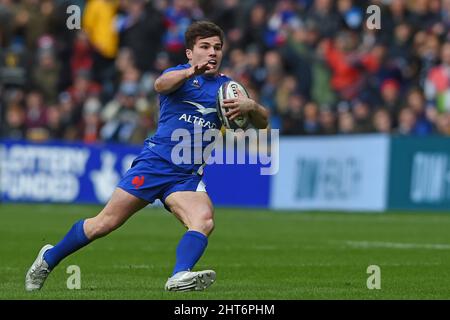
(238, 106)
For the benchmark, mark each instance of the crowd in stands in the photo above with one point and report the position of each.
(316, 65)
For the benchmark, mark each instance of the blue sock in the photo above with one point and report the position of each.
(189, 250)
(75, 239)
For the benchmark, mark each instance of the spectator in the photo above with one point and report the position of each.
(274, 74)
(419, 15)
(13, 65)
(390, 96)
(120, 115)
(347, 66)
(91, 123)
(435, 22)
(406, 122)
(177, 18)
(14, 128)
(286, 89)
(54, 124)
(32, 20)
(323, 16)
(6, 24)
(98, 23)
(282, 19)
(299, 53)
(125, 60)
(346, 122)
(46, 73)
(82, 55)
(396, 14)
(400, 52)
(445, 14)
(141, 21)
(327, 119)
(70, 116)
(255, 71)
(321, 90)
(255, 29)
(238, 62)
(146, 124)
(429, 56)
(292, 117)
(228, 16)
(310, 124)
(437, 86)
(351, 15)
(35, 116)
(443, 124)
(162, 62)
(416, 102)
(83, 87)
(382, 122)
(362, 117)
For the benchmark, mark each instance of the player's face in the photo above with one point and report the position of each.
(207, 49)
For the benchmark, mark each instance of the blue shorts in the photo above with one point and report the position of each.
(152, 177)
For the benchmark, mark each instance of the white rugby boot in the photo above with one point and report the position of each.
(191, 281)
(38, 272)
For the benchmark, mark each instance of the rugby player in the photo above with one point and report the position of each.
(188, 96)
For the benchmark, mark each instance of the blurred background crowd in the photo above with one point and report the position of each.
(314, 64)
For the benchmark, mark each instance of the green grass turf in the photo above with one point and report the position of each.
(257, 254)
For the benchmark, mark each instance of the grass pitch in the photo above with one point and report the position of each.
(257, 254)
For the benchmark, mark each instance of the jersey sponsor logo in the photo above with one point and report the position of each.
(197, 121)
(137, 182)
(200, 108)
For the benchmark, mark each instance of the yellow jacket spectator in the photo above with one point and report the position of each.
(98, 22)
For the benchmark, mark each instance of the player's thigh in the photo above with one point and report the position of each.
(191, 207)
(119, 208)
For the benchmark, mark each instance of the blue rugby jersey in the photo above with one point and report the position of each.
(193, 104)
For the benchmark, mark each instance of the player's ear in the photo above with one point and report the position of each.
(189, 54)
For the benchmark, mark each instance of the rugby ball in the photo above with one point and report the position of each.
(229, 90)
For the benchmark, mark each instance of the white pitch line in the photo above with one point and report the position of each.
(397, 245)
(133, 266)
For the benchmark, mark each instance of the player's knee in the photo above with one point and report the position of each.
(204, 223)
(209, 226)
(204, 226)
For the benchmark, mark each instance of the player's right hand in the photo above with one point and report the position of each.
(201, 68)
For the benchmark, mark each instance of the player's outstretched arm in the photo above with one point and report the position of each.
(172, 80)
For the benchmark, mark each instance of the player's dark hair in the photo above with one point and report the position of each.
(202, 30)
